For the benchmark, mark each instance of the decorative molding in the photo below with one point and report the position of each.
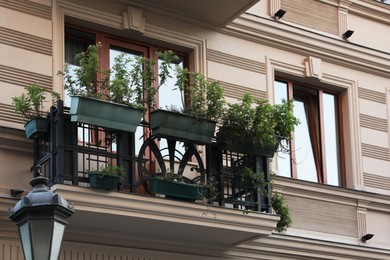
(274, 6)
(372, 95)
(237, 91)
(313, 67)
(25, 41)
(22, 78)
(15, 140)
(133, 18)
(373, 10)
(375, 123)
(235, 61)
(28, 7)
(376, 181)
(10, 250)
(361, 217)
(376, 152)
(197, 45)
(304, 42)
(89, 14)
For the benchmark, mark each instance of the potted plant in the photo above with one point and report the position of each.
(197, 120)
(254, 126)
(106, 178)
(174, 186)
(30, 105)
(108, 99)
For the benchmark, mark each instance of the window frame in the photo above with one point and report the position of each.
(320, 145)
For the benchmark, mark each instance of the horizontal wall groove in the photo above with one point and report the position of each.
(7, 113)
(23, 78)
(376, 181)
(374, 123)
(372, 95)
(376, 152)
(237, 91)
(305, 12)
(25, 41)
(28, 7)
(235, 61)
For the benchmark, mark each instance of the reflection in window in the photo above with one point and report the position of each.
(128, 54)
(315, 148)
(170, 97)
(76, 42)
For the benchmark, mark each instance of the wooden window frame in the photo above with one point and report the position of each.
(320, 142)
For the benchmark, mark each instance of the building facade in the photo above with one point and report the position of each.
(335, 180)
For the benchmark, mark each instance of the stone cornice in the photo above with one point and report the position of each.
(330, 193)
(297, 40)
(374, 10)
(156, 217)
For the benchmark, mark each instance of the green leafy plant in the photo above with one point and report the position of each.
(252, 178)
(206, 99)
(279, 205)
(30, 104)
(256, 120)
(278, 201)
(86, 79)
(112, 170)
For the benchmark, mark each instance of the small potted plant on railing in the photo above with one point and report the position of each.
(176, 186)
(106, 178)
(30, 106)
(196, 122)
(254, 126)
(105, 98)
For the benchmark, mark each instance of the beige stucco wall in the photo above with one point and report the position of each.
(244, 56)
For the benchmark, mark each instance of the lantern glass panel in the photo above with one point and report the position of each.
(58, 232)
(25, 237)
(41, 234)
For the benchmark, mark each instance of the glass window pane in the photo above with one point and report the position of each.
(331, 142)
(306, 167)
(115, 52)
(170, 96)
(283, 158)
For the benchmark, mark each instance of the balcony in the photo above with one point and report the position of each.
(226, 212)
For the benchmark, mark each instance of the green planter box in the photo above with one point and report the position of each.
(181, 127)
(177, 189)
(104, 114)
(243, 145)
(36, 127)
(98, 180)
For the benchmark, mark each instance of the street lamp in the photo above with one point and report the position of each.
(41, 217)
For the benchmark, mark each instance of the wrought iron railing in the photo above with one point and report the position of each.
(71, 150)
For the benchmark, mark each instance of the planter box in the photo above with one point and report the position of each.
(104, 114)
(36, 127)
(181, 127)
(98, 180)
(243, 145)
(177, 189)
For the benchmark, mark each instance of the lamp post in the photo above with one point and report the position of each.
(41, 217)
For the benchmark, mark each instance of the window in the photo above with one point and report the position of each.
(77, 40)
(315, 153)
